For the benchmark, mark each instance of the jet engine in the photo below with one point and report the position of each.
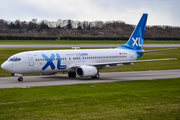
(86, 71)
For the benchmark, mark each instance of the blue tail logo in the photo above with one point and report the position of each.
(136, 40)
(51, 64)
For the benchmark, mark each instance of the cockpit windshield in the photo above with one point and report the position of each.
(14, 59)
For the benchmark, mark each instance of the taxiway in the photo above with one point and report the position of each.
(62, 79)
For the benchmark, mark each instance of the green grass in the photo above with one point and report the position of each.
(5, 53)
(77, 42)
(135, 100)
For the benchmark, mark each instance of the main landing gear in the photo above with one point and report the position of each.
(72, 74)
(96, 76)
(20, 79)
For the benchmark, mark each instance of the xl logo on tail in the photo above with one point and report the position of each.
(51, 64)
(137, 42)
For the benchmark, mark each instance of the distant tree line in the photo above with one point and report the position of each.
(77, 30)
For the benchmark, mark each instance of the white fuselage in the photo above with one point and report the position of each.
(83, 63)
(52, 61)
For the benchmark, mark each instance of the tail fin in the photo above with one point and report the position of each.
(135, 42)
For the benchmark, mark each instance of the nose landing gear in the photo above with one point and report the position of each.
(20, 79)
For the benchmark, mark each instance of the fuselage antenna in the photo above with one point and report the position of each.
(75, 48)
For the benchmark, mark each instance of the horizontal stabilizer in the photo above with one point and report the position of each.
(155, 60)
(140, 52)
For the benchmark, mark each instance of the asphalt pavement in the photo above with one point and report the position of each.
(62, 79)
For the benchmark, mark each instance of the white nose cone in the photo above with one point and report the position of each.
(5, 66)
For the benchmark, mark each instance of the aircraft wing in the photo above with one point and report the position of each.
(123, 62)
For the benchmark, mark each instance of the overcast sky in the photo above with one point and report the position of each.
(160, 12)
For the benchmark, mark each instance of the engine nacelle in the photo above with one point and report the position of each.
(86, 71)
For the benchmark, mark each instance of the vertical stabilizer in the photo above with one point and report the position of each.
(135, 42)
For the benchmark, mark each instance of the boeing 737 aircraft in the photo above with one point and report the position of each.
(83, 63)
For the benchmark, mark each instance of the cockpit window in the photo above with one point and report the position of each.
(14, 59)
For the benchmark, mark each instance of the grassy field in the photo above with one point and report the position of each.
(136, 100)
(5, 53)
(77, 42)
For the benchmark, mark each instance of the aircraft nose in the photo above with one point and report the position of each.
(5, 66)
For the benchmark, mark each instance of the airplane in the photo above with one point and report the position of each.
(78, 62)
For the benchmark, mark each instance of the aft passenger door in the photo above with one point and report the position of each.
(132, 56)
